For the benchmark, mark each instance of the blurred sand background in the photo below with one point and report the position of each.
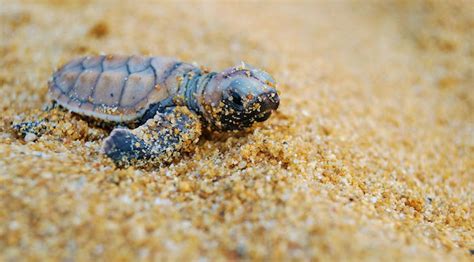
(370, 156)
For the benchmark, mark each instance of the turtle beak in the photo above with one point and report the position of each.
(263, 116)
(269, 102)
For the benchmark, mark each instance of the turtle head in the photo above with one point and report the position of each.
(239, 96)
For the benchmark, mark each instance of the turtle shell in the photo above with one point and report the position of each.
(113, 88)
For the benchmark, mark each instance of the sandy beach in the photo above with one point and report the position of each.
(370, 155)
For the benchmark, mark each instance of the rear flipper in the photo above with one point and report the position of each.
(159, 140)
(31, 129)
(35, 128)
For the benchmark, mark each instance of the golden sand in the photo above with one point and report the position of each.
(370, 156)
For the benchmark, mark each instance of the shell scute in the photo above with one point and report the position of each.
(66, 79)
(162, 67)
(109, 87)
(114, 62)
(138, 87)
(72, 64)
(84, 86)
(138, 63)
(172, 79)
(92, 61)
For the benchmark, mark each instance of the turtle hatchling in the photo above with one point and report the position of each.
(167, 101)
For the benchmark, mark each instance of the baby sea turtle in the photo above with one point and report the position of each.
(166, 99)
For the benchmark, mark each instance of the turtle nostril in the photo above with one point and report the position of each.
(276, 101)
(269, 101)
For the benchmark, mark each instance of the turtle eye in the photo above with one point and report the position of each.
(235, 98)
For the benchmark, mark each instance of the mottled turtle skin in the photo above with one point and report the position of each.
(167, 99)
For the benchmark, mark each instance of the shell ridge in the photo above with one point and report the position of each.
(170, 71)
(101, 68)
(77, 91)
(62, 68)
(144, 69)
(70, 98)
(57, 86)
(55, 77)
(168, 74)
(147, 95)
(154, 71)
(124, 82)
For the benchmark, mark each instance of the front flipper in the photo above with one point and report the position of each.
(159, 140)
